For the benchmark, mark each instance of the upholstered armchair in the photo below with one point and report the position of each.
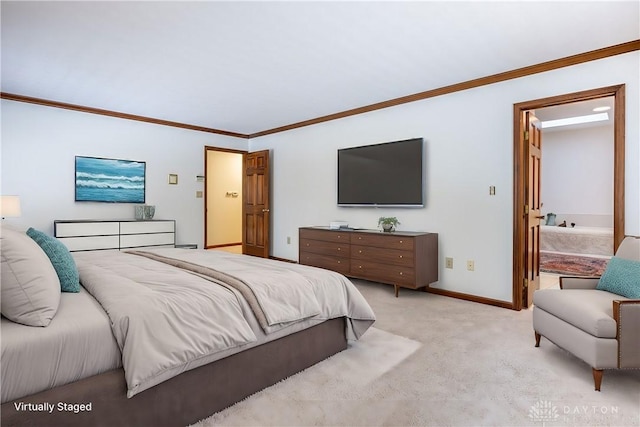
(597, 319)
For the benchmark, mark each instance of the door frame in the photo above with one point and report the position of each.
(520, 180)
(208, 148)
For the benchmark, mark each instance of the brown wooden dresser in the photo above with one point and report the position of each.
(402, 258)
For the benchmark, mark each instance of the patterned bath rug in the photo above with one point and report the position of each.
(574, 265)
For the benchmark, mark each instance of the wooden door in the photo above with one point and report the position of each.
(532, 208)
(255, 210)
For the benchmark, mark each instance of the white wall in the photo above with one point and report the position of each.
(469, 147)
(577, 175)
(39, 145)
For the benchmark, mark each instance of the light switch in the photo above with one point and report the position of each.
(198, 194)
(492, 190)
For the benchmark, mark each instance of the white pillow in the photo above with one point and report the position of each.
(30, 288)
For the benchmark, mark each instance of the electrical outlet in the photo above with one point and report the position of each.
(448, 262)
(288, 240)
(470, 265)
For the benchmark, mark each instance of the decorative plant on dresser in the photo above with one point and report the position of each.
(403, 259)
(388, 223)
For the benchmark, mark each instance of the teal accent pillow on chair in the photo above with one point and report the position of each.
(61, 260)
(622, 277)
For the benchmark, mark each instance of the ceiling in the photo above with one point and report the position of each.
(248, 67)
(577, 109)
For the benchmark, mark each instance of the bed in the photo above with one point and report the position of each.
(166, 336)
(577, 240)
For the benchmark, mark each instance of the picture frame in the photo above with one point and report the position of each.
(99, 179)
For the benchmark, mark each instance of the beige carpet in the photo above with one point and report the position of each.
(459, 364)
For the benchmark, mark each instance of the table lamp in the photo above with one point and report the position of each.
(9, 206)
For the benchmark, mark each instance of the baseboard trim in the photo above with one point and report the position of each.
(443, 292)
(468, 297)
(224, 245)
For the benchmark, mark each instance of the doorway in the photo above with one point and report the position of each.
(576, 235)
(525, 255)
(223, 199)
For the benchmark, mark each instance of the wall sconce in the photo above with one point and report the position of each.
(173, 178)
(9, 206)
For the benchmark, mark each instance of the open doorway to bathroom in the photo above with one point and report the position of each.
(576, 235)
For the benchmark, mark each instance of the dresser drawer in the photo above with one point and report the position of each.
(326, 235)
(387, 240)
(140, 227)
(142, 240)
(81, 229)
(385, 273)
(325, 248)
(382, 255)
(90, 243)
(341, 265)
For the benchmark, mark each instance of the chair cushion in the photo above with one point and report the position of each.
(587, 309)
(621, 277)
(629, 248)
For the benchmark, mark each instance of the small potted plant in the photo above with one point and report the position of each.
(388, 223)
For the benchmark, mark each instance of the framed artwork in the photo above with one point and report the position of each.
(109, 180)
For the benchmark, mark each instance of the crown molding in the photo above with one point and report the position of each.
(568, 61)
(469, 84)
(84, 109)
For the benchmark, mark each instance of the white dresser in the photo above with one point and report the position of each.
(91, 235)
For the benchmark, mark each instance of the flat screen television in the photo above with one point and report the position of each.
(387, 174)
(109, 180)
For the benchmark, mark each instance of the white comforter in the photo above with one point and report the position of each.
(168, 320)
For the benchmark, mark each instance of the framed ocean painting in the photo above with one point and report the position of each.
(110, 180)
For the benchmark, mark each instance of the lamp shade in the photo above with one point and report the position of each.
(9, 206)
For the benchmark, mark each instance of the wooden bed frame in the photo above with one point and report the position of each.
(188, 397)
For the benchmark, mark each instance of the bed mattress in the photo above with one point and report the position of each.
(81, 340)
(77, 344)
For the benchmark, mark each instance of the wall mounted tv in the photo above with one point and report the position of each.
(109, 180)
(389, 174)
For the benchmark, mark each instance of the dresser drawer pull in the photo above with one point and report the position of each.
(339, 262)
(400, 256)
(401, 273)
(339, 249)
(339, 236)
(307, 244)
(360, 252)
(359, 266)
(359, 238)
(400, 241)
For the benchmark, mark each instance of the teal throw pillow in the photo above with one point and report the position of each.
(61, 260)
(622, 277)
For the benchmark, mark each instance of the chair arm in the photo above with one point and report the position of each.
(626, 313)
(570, 282)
